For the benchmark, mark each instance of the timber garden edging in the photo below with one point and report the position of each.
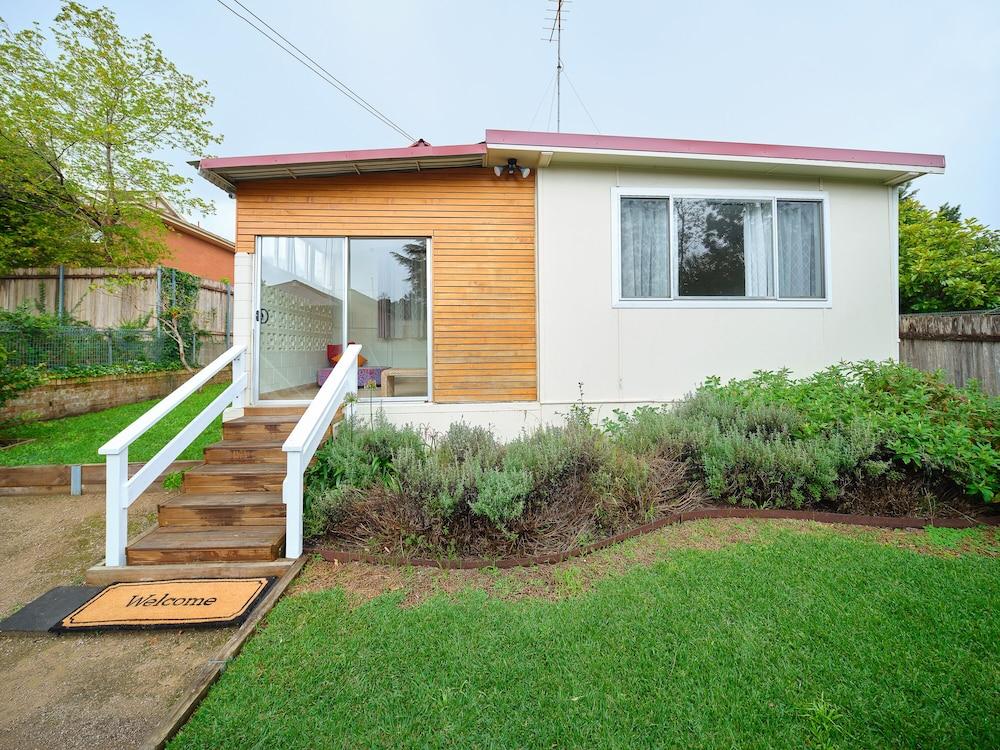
(74, 478)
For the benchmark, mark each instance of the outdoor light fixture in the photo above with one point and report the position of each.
(511, 168)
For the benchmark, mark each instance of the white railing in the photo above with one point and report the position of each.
(122, 491)
(306, 437)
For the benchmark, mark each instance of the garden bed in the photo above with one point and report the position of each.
(871, 439)
(550, 558)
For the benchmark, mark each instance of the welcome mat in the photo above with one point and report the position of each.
(204, 602)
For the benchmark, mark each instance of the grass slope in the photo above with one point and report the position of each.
(75, 440)
(794, 640)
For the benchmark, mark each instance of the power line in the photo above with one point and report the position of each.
(324, 74)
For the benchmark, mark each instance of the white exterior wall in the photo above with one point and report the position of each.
(629, 356)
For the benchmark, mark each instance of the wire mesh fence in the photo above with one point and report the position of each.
(66, 347)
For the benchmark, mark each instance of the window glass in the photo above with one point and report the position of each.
(645, 261)
(725, 248)
(387, 314)
(800, 251)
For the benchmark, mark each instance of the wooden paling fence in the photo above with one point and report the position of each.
(964, 345)
(91, 295)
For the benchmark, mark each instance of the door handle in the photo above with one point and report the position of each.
(262, 315)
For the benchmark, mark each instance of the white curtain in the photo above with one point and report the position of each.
(644, 259)
(800, 256)
(757, 249)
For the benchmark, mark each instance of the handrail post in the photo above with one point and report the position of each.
(352, 387)
(116, 502)
(239, 369)
(292, 495)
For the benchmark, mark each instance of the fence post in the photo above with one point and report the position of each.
(229, 315)
(116, 509)
(61, 302)
(111, 351)
(159, 296)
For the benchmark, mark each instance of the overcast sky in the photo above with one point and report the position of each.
(904, 75)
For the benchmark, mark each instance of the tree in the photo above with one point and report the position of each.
(79, 178)
(946, 262)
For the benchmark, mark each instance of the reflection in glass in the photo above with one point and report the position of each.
(302, 290)
(387, 314)
(724, 248)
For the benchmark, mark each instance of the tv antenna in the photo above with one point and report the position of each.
(555, 34)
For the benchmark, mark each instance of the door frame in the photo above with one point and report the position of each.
(255, 399)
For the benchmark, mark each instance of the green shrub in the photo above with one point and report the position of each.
(772, 440)
(462, 442)
(327, 508)
(14, 379)
(355, 457)
(621, 480)
(501, 495)
(551, 455)
(433, 481)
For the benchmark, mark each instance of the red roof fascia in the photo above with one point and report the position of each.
(714, 148)
(319, 157)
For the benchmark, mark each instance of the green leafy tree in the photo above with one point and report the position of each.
(945, 262)
(79, 138)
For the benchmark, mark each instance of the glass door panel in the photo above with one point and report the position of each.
(301, 311)
(387, 315)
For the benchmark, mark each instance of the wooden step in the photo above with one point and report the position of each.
(101, 575)
(168, 545)
(259, 427)
(236, 509)
(226, 478)
(257, 411)
(245, 452)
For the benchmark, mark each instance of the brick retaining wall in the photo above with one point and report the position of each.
(65, 398)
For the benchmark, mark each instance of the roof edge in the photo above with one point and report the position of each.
(673, 146)
(319, 157)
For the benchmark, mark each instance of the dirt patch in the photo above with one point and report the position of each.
(365, 581)
(82, 690)
(51, 540)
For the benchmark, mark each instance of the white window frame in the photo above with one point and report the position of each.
(681, 192)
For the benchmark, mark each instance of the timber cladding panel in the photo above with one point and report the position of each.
(482, 260)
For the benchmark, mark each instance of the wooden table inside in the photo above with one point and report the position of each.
(389, 378)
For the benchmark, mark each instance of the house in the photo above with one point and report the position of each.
(629, 267)
(497, 283)
(195, 250)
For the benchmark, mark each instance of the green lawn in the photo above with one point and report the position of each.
(75, 440)
(794, 639)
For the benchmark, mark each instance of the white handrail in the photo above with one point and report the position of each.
(305, 439)
(121, 491)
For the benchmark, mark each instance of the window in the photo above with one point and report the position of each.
(645, 264)
(677, 247)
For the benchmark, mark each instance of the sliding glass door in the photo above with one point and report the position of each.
(387, 315)
(317, 294)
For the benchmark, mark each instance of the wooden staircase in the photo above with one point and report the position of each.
(229, 519)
